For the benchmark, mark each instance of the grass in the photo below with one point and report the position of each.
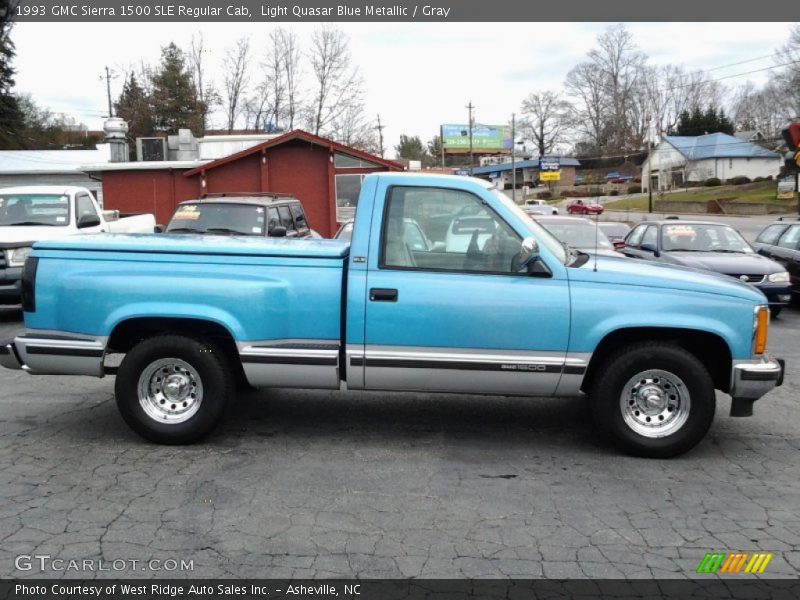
(748, 193)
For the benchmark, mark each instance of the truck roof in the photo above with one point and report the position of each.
(201, 244)
(438, 176)
(43, 189)
(263, 200)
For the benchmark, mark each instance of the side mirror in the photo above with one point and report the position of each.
(277, 231)
(158, 229)
(529, 251)
(85, 221)
(618, 244)
(648, 247)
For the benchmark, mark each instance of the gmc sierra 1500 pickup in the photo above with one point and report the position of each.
(488, 303)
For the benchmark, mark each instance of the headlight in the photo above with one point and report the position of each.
(782, 277)
(16, 256)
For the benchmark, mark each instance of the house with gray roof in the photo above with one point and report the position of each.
(676, 160)
(52, 167)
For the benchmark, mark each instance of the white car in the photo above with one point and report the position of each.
(29, 214)
(539, 207)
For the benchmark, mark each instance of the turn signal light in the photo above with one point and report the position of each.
(762, 326)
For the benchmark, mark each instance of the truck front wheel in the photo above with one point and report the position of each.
(173, 389)
(653, 399)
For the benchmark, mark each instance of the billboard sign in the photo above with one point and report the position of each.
(485, 138)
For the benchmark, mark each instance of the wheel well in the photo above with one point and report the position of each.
(709, 348)
(129, 333)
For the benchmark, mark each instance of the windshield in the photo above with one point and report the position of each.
(578, 233)
(692, 237)
(34, 209)
(219, 218)
(544, 237)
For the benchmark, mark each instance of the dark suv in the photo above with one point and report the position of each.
(267, 215)
(780, 241)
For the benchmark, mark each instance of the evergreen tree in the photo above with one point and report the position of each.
(175, 99)
(410, 148)
(135, 106)
(10, 115)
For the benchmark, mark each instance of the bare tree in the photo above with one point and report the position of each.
(584, 84)
(544, 119)
(236, 80)
(337, 82)
(620, 64)
(352, 128)
(206, 93)
(291, 74)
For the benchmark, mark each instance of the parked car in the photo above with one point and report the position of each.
(615, 231)
(534, 204)
(261, 215)
(711, 246)
(29, 214)
(578, 207)
(579, 233)
(515, 314)
(780, 241)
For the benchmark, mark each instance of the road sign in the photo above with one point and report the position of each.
(550, 176)
(549, 163)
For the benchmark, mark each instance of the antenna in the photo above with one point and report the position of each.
(596, 238)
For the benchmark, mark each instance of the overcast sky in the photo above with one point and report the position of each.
(416, 75)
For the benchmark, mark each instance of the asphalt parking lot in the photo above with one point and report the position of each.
(318, 484)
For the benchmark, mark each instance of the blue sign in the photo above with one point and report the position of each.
(549, 163)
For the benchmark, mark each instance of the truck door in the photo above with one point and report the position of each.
(447, 307)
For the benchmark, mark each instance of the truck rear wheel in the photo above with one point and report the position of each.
(653, 399)
(173, 389)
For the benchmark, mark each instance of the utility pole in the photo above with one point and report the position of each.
(441, 142)
(513, 161)
(649, 176)
(470, 107)
(108, 77)
(380, 129)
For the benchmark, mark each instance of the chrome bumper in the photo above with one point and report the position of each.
(54, 353)
(752, 379)
(8, 356)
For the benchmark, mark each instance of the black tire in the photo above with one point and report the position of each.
(681, 429)
(196, 363)
(774, 312)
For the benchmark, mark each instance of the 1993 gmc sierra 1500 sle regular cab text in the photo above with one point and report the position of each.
(485, 301)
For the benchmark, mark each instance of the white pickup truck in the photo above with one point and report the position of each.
(30, 214)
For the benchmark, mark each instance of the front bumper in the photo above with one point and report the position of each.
(778, 294)
(751, 379)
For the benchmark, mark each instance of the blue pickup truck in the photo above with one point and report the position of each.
(477, 299)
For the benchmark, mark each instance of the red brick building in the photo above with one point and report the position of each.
(324, 175)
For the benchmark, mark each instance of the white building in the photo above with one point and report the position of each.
(678, 159)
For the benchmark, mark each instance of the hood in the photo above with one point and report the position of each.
(21, 233)
(624, 271)
(739, 263)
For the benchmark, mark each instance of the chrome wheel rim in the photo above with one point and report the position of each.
(655, 403)
(170, 391)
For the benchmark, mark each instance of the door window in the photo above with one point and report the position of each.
(771, 234)
(299, 217)
(286, 219)
(635, 237)
(446, 230)
(84, 206)
(650, 236)
(790, 239)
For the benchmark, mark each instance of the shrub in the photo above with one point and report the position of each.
(613, 193)
(759, 179)
(544, 195)
(634, 189)
(740, 180)
(712, 182)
